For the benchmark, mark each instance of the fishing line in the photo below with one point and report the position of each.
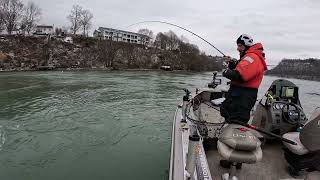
(168, 23)
(163, 22)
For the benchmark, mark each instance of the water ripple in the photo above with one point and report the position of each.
(51, 130)
(316, 94)
(120, 139)
(2, 137)
(66, 123)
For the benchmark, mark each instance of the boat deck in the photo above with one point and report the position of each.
(272, 167)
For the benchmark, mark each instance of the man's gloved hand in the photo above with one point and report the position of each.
(229, 62)
(226, 60)
(232, 75)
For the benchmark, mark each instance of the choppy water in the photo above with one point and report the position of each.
(97, 125)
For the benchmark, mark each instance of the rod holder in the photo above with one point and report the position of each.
(193, 149)
(184, 110)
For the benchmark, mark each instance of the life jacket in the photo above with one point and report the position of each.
(251, 67)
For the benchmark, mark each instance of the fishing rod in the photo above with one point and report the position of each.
(263, 131)
(163, 22)
(168, 23)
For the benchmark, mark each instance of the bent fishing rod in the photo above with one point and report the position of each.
(163, 22)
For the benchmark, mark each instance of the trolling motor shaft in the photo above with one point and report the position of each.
(184, 105)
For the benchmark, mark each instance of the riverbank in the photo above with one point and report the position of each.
(56, 69)
(90, 69)
(19, 53)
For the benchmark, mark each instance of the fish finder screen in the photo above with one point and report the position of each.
(287, 92)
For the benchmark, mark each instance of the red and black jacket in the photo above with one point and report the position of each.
(249, 71)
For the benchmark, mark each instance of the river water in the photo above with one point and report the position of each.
(97, 125)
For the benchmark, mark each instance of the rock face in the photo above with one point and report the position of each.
(34, 53)
(30, 53)
(295, 68)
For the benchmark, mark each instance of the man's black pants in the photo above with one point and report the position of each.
(238, 104)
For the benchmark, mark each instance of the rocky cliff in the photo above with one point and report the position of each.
(34, 53)
(296, 68)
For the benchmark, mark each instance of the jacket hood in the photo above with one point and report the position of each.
(258, 50)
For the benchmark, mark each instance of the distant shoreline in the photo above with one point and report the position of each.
(93, 69)
(307, 69)
(309, 78)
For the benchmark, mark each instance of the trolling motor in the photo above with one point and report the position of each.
(184, 104)
(215, 82)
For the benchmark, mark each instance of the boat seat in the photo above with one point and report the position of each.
(238, 156)
(238, 144)
(239, 138)
(298, 149)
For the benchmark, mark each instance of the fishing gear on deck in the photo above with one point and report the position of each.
(262, 131)
(257, 129)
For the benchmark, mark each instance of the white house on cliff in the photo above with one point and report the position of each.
(121, 36)
(43, 30)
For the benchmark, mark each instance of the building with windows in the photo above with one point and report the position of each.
(43, 30)
(121, 36)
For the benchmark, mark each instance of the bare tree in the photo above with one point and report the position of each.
(1, 15)
(173, 40)
(58, 31)
(146, 32)
(107, 51)
(31, 16)
(12, 12)
(75, 17)
(184, 39)
(86, 18)
(161, 41)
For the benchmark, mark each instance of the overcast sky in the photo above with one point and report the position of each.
(286, 28)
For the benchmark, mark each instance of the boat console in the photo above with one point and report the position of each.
(280, 111)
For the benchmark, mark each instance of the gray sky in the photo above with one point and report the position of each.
(286, 28)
